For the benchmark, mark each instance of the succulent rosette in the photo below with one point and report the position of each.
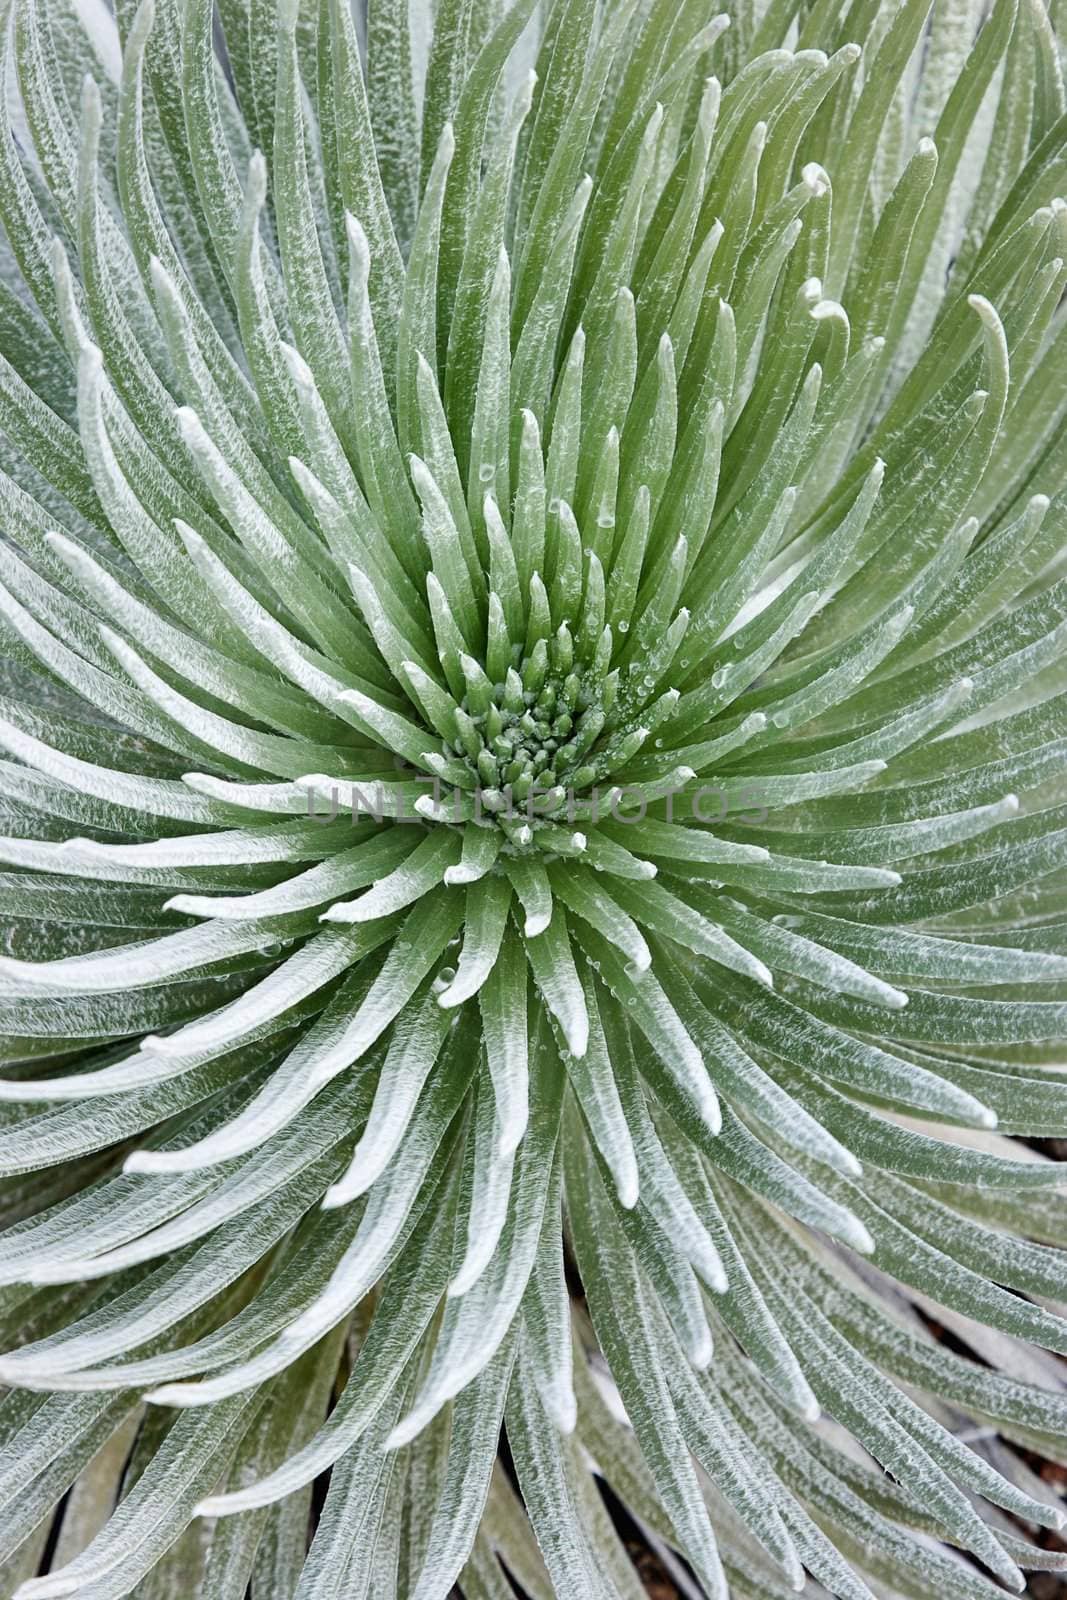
(534, 824)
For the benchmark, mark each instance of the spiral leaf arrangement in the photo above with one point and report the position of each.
(535, 843)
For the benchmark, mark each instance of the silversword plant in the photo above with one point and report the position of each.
(541, 416)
